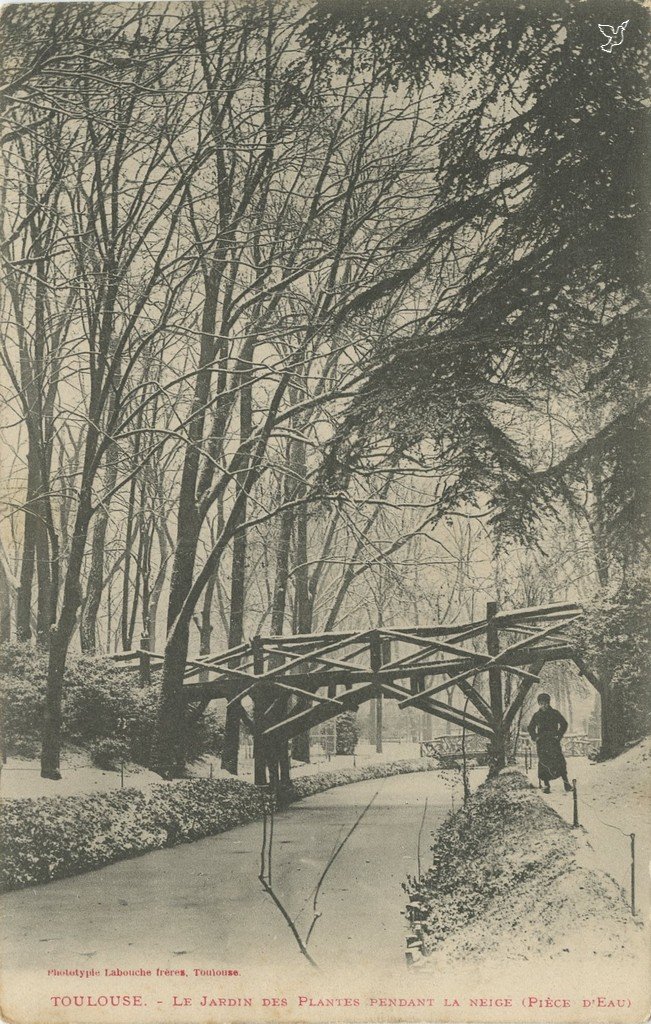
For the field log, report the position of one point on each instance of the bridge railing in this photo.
(451, 746)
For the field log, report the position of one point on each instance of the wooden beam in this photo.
(213, 690)
(470, 722)
(440, 645)
(301, 659)
(199, 666)
(473, 670)
(469, 691)
(475, 698)
(521, 694)
(519, 645)
(539, 611)
(499, 659)
(240, 696)
(438, 710)
(588, 673)
(216, 687)
(260, 746)
(431, 646)
(330, 662)
(298, 691)
(306, 719)
(203, 661)
(298, 639)
(439, 688)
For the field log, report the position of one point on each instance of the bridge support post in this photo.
(498, 744)
(231, 745)
(301, 743)
(376, 655)
(426, 724)
(259, 742)
(379, 723)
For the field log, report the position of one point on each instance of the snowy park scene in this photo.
(326, 495)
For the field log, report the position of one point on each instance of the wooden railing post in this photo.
(231, 743)
(145, 659)
(259, 743)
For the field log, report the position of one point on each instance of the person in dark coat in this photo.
(547, 728)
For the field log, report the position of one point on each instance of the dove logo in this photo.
(615, 36)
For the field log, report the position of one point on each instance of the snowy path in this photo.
(614, 800)
(163, 905)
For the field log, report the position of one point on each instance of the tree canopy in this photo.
(540, 210)
(293, 289)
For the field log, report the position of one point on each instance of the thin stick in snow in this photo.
(331, 861)
(420, 833)
(265, 860)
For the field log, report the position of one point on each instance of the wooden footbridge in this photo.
(280, 686)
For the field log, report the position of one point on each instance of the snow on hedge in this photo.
(506, 864)
(53, 837)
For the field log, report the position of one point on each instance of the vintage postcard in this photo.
(325, 529)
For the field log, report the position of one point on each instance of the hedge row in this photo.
(509, 882)
(308, 785)
(483, 855)
(54, 837)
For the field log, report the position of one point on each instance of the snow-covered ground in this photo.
(614, 800)
(566, 929)
(614, 797)
(20, 777)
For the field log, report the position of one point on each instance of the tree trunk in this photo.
(5, 605)
(61, 635)
(612, 718)
(231, 748)
(185, 591)
(44, 578)
(95, 584)
(126, 577)
(51, 749)
(140, 570)
(168, 756)
(205, 626)
(157, 589)
(304, 598)
(279, 753)
(24, 593)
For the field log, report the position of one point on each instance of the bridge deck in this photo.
(281, 686)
